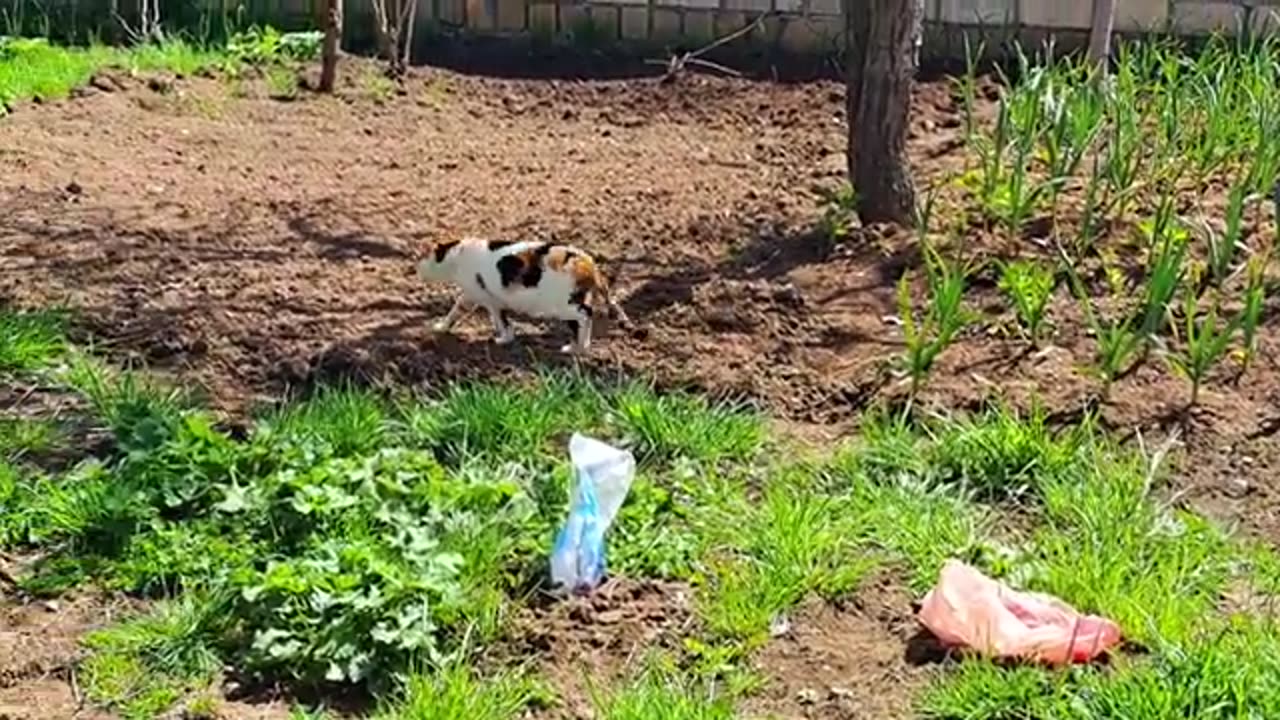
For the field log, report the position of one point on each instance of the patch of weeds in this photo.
(981, 690)
(999, 454)
(142, 666)
(377, 87)
(435, 94)
(140, 412)
(377, 559)
(282, 83)
(31, 339)
(168, 556)
(1029, 286)
(928, 333)
(662, 690)
(346, 419)
(1107, 547)
(506, 422)
(654, 534)
(266, 45)
(20, 437)
(455, 691)
(203, 706)
(177, 57)
(664, 427)
(920, 526)
(769, 555)
(1229, 673)
(839, 212)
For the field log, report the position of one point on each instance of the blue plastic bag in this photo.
(602, 477)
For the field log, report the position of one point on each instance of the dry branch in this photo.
(676, 64)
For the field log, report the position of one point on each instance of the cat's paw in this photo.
(573, 349)
(440, 326)
(505, 339)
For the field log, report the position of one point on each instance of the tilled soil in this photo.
(249, 246)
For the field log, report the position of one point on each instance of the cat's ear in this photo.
(441, 249)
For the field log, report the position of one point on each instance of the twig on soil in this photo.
(676, 64)
(1156, 459)
(75, 686)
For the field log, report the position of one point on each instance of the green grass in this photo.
(21, 437)
(33, 69)
(359, 537)
(355, 537)
(144, 665)
(30, 340)
(456, 691)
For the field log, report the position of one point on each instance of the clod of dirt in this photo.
(110, 80)
(161, 85)
(604, 635)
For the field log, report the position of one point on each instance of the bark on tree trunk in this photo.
(857, 25)
(332, 38)
(884, 40)
(1104, 12)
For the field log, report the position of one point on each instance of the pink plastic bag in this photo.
(970, 610)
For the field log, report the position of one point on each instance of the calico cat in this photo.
(539, 279)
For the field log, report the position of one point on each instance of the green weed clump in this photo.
(30, 339)
(32, 68)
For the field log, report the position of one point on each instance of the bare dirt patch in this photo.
(584, 645)
(39, 649)
(845, 661)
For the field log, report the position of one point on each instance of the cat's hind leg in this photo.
(502, 330)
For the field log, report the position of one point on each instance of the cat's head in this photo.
(437, 263)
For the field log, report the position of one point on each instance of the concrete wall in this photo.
(816, 26)
(801, 26)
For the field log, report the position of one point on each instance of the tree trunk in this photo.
(332, 39)
(881, 73)
(857, 24)
(1104, 13)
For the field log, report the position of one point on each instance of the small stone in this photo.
(73, 188)
(1237, 487)
(807, 696)
(779, 627)
(840, 693)
(51, 606)
(609, 617)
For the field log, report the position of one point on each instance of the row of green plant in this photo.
(1179, 309)
(1160, 122)
(35, 69)
(383, 539)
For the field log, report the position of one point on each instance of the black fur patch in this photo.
(495, 245)
(573, 328)
(509, 269)
(442, 249)
(525, 267)
(579, 298)
(480, 282)
(505, 318)
(532, 274)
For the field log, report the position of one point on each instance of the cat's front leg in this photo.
(445, 324)
(581, 330)
(502, 330)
